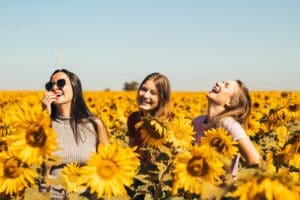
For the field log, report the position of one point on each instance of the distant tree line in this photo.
(129, 86)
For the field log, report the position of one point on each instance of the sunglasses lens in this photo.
(61, 83)
(48, 86)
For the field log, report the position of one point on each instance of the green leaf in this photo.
(142, 178)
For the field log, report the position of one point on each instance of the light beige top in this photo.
(71, 151)
(237, 132)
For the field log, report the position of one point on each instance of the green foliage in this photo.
(155, 179)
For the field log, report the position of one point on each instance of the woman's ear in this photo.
(228, 104)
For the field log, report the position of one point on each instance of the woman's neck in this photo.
(64, 110)
(213, 111)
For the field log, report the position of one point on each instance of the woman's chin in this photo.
(146, 108)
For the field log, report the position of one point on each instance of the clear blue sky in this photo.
(195, 43)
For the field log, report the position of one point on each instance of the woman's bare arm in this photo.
(103, 135)
(249, 152)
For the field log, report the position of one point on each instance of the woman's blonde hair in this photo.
(240, 106)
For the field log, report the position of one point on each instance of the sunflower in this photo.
(153, 131)
(282, 133)
(181, 133)
(72, 175)
(111, 169)
(263, 188)
(293, 110)
(292, 154)
(278, 116)
(219, 139)
(15, 175)
(193, 168)
(293, 177)
(33, 138)
(253, 126)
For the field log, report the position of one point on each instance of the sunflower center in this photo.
(293, 107)
(256, 105)
(73, 177)
(179, 134)
(3, 146)
(260, 196)
(197, 166)
(107, 169)
(36, 137)
(218, 143)
(12, 168)
(284, 94)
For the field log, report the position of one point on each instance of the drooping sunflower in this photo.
(153, 131)
(279, 116)
(33, 139)
(111, 169)
(221, 141)
(15, 175)
(181, 133)
(194, 167)
(264, 188)
(74, 180)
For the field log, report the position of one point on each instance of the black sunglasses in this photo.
(59, 83)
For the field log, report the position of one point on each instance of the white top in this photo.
(234, 128)
(237, 132)
(231, 125)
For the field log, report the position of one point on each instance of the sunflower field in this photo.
(175, 168)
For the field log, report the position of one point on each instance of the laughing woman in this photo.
(153, 99)
(229, 106)
(78, 130)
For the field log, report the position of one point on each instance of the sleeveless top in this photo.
(71, 151)
(233, 127)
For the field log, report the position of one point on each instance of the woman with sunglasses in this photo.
(78, 130)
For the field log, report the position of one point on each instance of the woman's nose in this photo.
(54, 87)
(147, 94)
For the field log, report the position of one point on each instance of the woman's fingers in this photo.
(48, 99)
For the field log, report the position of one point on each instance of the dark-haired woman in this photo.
(78, 130)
